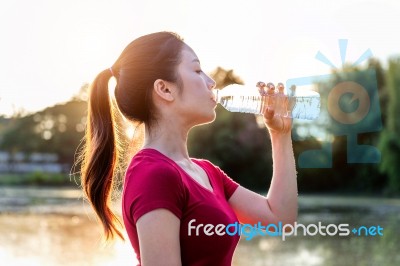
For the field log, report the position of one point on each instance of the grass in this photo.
(37, 179)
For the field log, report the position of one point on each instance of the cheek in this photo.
(194, 85)
(189, 79)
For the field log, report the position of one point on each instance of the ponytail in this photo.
(144, 60)
(100, 154)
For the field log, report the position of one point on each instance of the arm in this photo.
(158, 233)
(280, 204)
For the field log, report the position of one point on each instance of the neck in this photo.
(168, 138)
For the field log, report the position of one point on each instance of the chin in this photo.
(207, 119)
(212, 117)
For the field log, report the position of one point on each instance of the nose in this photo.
(211, 83)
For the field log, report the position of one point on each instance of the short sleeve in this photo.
(229, 184)
(150, 186)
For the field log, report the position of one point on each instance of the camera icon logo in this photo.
(349, 107)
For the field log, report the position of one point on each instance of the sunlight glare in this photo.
(112, 83)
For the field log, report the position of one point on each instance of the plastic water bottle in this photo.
(292, 104)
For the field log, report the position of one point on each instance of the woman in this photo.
(175, 207)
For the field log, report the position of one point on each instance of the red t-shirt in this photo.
(155, 181)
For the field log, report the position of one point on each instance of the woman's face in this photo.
(196, 101)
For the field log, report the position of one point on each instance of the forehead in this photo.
(188, 55)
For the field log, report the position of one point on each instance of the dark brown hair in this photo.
(142, 62)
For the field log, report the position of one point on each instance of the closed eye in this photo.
(199, 71)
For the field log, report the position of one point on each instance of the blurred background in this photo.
(51, 50)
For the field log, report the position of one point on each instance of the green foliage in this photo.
(40, 178)
(390, 141)
(369, 80)
(345, 177)
(37, 179)
(58, 129)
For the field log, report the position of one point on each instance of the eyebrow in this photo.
(196, 60)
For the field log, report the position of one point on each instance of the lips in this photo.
(214, 98)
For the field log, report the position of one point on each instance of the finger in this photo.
(260, 84)
(261, 88)
(271, 88)
(281, 87)
(269, 114)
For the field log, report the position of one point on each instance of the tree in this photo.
(352, 148)
(57, 129)
(389, 139)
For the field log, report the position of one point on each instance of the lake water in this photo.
(41, 226)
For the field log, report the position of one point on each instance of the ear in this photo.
(164, 89)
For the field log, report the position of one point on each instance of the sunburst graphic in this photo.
(343, 49)
(359, 90)
(359, 93)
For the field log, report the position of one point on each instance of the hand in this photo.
(275, 123)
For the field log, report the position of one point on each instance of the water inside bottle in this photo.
(242, 104)
(299, 107)
(306, 107)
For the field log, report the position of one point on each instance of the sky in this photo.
(50, 48)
